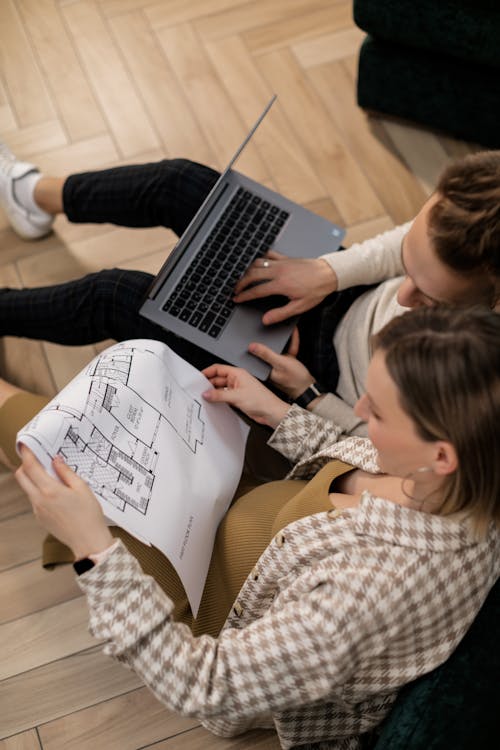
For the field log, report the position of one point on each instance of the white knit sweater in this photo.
(375, 260)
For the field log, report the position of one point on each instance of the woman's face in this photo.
(401, 450)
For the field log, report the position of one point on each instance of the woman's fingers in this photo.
(25, 483)
(65, 473)
(34, 471)
(217, 370)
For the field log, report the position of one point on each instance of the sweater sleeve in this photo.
(301, 434)
(308, 440)
(371, 261)
(334, 409)
(228, 682)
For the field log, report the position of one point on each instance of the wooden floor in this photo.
(90, 83)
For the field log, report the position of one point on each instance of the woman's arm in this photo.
(236, 387)
(229, 682)
(295, 653)
(68, 508)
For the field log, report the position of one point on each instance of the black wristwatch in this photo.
(81, 566)
(314, 390)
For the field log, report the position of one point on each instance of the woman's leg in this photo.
(17, 408)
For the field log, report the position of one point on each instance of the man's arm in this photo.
(370, 262)
(306, 282)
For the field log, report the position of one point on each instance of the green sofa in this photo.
(435, 62)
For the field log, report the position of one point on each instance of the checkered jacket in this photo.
(341, 610)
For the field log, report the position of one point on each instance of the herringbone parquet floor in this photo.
(90, 83)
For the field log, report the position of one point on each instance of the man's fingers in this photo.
(255, 284)
(264, 353)
(293, 347)
(279, 314)
(275, 255)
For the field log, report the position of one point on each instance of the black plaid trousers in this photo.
(105, 304)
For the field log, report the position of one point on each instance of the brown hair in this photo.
(464, 223)
(446, 365)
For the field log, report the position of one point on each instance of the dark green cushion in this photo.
(465, 29)
(456, 706)
(462, 99)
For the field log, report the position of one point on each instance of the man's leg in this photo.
(96, 307)
(166, 193)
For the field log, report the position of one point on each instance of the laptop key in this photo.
(195, 319)
(214, 331)
(203, 297)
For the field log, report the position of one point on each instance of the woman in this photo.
(345, 605)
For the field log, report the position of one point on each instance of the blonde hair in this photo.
(446, 365)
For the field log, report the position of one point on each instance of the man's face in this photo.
(428, 280)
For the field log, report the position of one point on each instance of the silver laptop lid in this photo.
(199, 216)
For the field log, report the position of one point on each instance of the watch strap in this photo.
(314, 390)
(81, 566)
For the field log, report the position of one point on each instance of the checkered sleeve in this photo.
(229, 682)
(310, 441)
(301, 433)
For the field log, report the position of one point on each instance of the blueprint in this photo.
(163, 462)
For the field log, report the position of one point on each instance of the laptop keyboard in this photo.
(245, 230)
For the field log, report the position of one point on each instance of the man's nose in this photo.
(360, 409)
(408, 293)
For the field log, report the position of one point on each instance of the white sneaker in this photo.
(28, 224)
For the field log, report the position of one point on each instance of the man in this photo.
(450, 253)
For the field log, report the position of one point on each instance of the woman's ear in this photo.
(445, 460)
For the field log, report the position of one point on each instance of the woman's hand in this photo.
(305, 281)
(238, 388)
(68, 509)
(287, 373)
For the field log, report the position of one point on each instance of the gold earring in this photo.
(409, 476)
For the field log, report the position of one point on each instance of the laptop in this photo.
(238, 222)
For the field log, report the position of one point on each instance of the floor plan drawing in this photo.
(112, 442)
(163, 462)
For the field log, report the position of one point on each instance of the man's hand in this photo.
(236, 387)
(68, 509)
(305, 281)
(290, 375)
